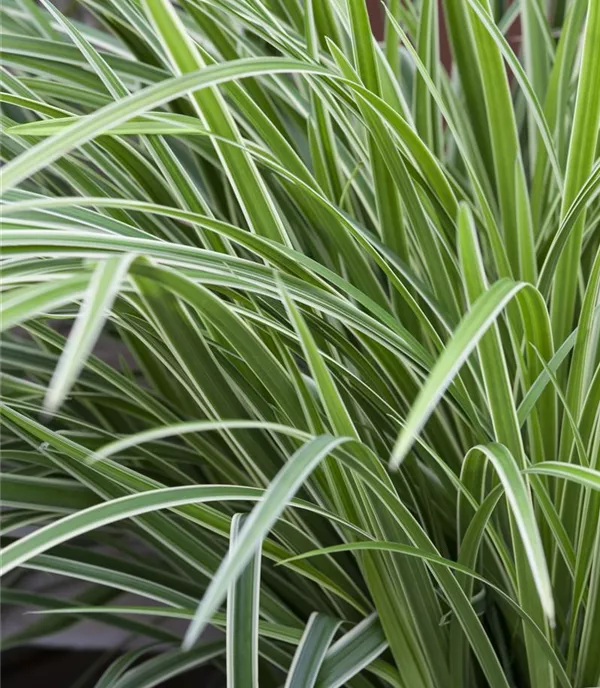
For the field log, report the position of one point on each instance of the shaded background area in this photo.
(34, 667)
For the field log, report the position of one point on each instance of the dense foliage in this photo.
(355, 419)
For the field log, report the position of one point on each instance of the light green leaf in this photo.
(480, 318)
(351, 653)
(243, 604)
(97, 302)
(46, 152)
(40, 299)
(311, 651)
(275, 500)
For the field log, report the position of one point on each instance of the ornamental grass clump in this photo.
(301, 337)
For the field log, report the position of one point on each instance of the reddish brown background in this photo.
(376, 12)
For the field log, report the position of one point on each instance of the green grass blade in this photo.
(581, 475)
(27, 302)
(243, 603)
(118, 667)
(355, 650)
(311, 651)
(549, 653)
(45, 153)
(582, 147)
(465, 338)
(257, 525)
(520, 502)
(95, 307)
(156, 671)
(253, 195)
(260, 226)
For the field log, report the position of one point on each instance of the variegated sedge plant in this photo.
(357, 423)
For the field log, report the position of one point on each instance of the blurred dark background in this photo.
(34, 667)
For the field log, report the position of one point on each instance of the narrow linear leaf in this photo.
(95, 308)
(311, 651)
